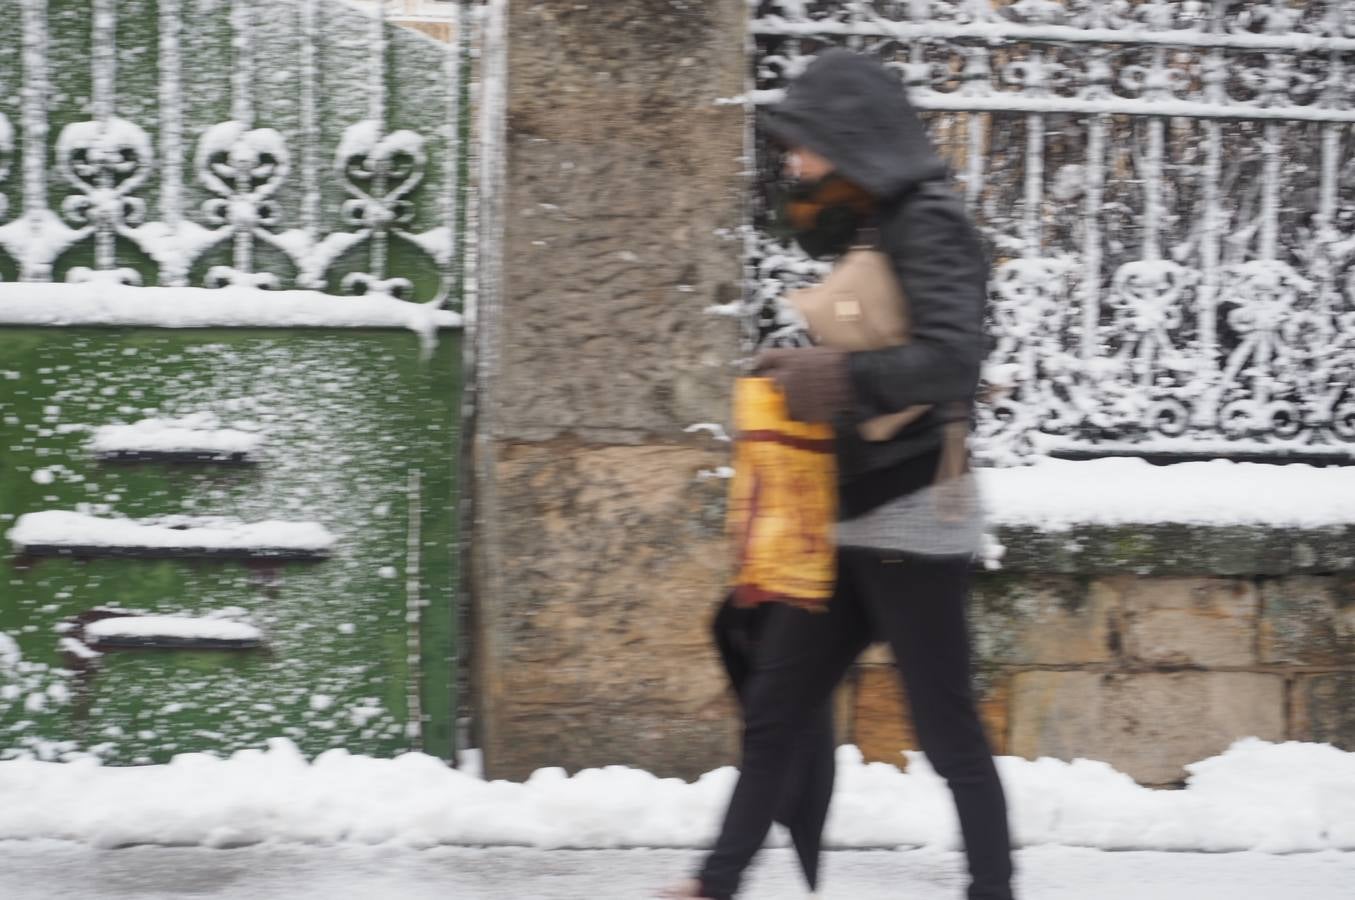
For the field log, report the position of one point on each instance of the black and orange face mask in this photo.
(824, 216)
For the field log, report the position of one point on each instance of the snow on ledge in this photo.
(59, 528)
(180, 628)
(198, 434)
(1258, 796)
(94, 303)
(1057, 495)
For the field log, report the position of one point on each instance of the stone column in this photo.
(614, 197)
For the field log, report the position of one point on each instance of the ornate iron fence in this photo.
(250, 142)
(1169, 193)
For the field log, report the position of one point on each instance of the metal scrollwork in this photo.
(106, 162)
(379, 171)
(1169, 184)
(6, 158)
(1149, 303)
(245, 168)
(257, 200)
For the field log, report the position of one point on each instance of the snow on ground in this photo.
(42, 870)
(1275, 798)
(101, 303)
(200, 433)
(59, 528)
(1057, 495)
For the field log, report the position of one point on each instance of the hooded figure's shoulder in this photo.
(929, 229)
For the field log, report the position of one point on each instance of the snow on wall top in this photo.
(187, 307)
(1057, 495)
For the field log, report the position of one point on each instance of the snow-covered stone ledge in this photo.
(103, 304)
(1122, 515)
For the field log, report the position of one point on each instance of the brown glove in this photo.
(815, 380)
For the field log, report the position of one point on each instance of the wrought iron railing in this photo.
(256, 142)
(1168, 189)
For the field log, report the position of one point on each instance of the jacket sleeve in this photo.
(942, 267)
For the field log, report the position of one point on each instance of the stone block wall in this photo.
(1147, 668)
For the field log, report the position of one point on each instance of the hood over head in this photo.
(851, 110)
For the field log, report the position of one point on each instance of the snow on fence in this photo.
(1168, 188)
(225, 307)
(151, 150)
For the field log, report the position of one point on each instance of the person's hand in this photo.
(815, 381)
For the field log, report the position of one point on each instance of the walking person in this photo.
(865, 176)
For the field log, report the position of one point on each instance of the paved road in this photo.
(44, 870)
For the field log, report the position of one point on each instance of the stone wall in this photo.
(617, 193)
(1116, 648)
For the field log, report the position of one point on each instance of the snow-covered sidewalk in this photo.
(1275, 798)
(42, 870)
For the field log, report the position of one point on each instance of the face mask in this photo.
(822, 216)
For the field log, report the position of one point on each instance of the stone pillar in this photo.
(615, 198)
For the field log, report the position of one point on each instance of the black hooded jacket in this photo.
(851, 110)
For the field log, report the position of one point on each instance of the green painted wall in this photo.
(374, 167)
(347, 417)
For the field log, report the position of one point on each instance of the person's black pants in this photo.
(918, 605)
(803, 807)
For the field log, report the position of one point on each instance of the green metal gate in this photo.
(230, 378)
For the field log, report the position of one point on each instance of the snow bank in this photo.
(199, 434)
(1056, 495)
(1257, 796)
(101, 303)
(181, 628)
(58, 528)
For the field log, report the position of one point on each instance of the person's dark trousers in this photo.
(803, 808)
(918, 605)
